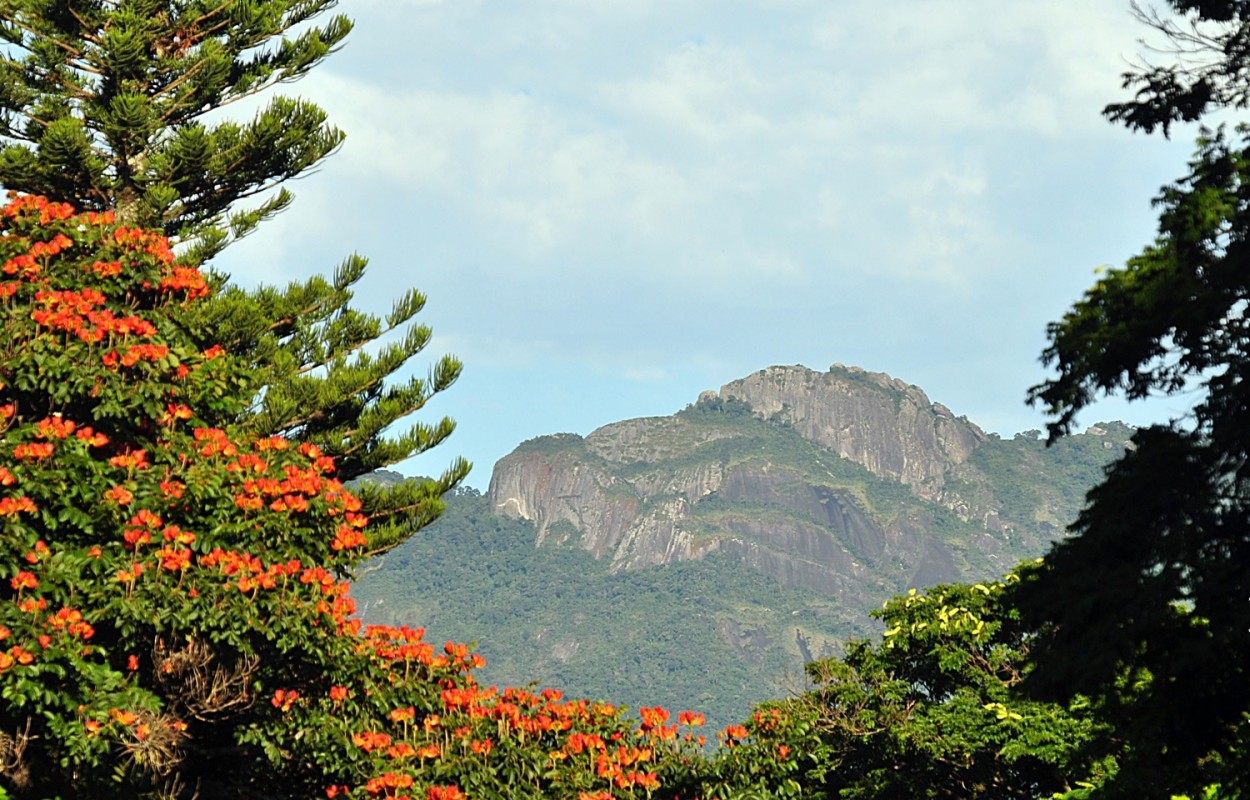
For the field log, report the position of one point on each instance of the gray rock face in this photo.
(850, 483)
(868, 417)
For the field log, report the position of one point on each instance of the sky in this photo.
(613, 205)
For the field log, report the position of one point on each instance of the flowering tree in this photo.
(174, 620)
(117, 107)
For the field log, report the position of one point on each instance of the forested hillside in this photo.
(789, 547)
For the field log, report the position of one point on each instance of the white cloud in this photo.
(723, 184)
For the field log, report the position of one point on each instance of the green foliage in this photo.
(116, 106)
(706, 635)
(174, 620)
(1029, 483)
(729, 406)
(108, 105)
(1211, 40)
(1144, 610)
(927, 711)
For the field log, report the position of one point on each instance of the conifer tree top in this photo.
(104, 104)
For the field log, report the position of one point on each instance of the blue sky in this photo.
(616, 204)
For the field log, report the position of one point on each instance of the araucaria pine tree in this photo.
(110, 105)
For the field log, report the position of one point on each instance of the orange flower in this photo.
(120, 495)
(653, 717)
(34, 451)
(370, 740)
(284, 699)
(444, 793)
(24, 580)
(12, 506)
(734, 732)
(124, 717)
(338, 693)
(92, 438)
(403, 714)
(55, 427)
(401, 750)
(136, 459)
(428, 751)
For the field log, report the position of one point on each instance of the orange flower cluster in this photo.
(28, 264)
(55, 427)
(387, 785)
(135, 354)
(16, 655)
(120, 495)
(48, 211)
(12, 506)
(70, 620)
(106, 269)
(283, 699)
(77, 313)
(150, 242)
(371, 740)
(733, 733)
(215, 442)
(130, 459)
(34, 451)
(400, 644)
(615, 766)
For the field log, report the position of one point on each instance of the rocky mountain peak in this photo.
(888, 426)
(847, 482)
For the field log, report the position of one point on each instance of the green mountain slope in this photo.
(699, 559)
(703, 635)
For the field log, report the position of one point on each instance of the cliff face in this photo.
(849, 483)
(886, 425)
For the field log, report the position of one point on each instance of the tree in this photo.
(174, 619)
(926, 712)
(108, 106)
(1145, 608)
(1208, 45)
(116, 106)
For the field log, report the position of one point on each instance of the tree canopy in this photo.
(111, 106)
(1206, 44)
(1145, 608)
(174, 617)
(119, 107)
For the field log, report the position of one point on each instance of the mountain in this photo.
(695, 559)
(849, 483)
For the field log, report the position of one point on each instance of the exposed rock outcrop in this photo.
(848, 482)
(886, 425)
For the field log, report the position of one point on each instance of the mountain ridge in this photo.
(697, 558)
(801, 455)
